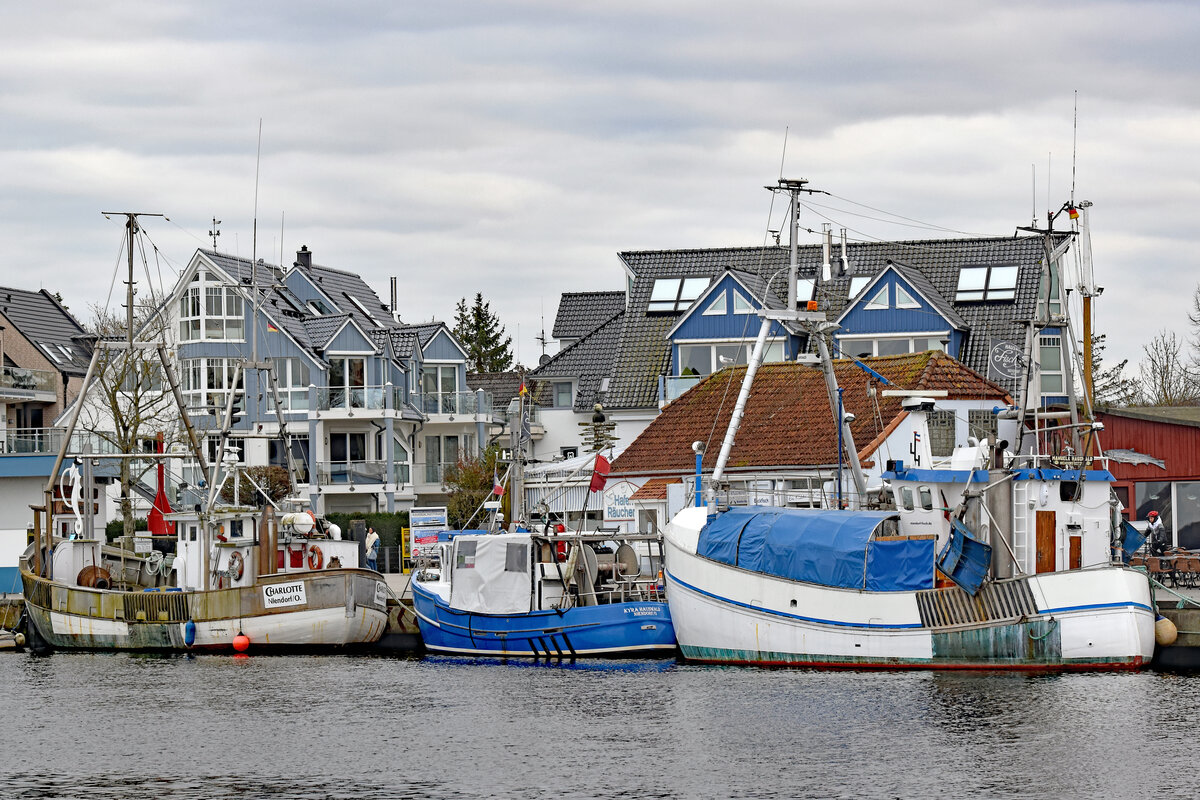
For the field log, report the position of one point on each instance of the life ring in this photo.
(237, 566)
(316, 559)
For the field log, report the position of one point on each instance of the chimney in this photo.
(303, 257)
(393, 296)
(845, 257)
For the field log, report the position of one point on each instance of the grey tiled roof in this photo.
(580, 313)
(643, 353)
(44, 321)
(321, 329)
(588, 360)
(341, 286)
(922, 285)
(425, 331)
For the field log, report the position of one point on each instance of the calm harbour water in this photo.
(120, 726)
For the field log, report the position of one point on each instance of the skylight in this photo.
(857, 284)
(672, 295)
(987, 283)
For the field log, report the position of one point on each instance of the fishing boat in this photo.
(237, 577)
(555, 595)
(1004, 557)
(547, 595)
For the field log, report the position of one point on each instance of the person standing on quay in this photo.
(372, 544)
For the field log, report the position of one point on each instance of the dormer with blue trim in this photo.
(719, 329)
(899, 311)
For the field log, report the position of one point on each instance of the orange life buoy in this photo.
(237, 566)
(316, 559)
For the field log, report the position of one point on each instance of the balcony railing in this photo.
(676, 385)
(354, 473)
(49, 440)
(452, 403)
(352, 397)
(38, 380)
(435, 471)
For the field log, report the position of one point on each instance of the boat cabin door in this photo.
(1046, 543)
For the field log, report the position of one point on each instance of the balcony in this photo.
(361, 473)
(35, 441)
(352, 398)
(435, 471)
(465, 403)
(675, 385)
(27, 384)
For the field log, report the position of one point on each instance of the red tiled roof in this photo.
(653, 489)
(787, 421)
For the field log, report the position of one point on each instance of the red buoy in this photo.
(241, 643)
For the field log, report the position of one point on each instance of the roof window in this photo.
(672, 295)
(987, 283)
(857, 284)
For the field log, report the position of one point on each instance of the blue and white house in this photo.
(372, 409)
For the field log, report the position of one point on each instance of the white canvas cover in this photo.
(490, 574)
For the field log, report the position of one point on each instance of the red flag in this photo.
(497, 486)
(599, 474)
(1072, 212)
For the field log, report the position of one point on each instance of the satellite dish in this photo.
(544, 360)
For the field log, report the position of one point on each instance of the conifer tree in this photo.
(480, 331)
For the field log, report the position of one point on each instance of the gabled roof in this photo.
(588, 361)
(404, 340)
(920, 285)
(788, 422)
(754, 285)
(580, 313)
(48, 325)
(321, 330)
(644, 353)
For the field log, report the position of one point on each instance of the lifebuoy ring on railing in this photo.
(237, 566)
(316, 559)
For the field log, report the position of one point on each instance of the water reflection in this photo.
(108, 726)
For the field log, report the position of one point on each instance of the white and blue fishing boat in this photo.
(1006, 557)
(551, 596)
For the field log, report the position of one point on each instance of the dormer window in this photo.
(319, 308)
(987, 283)
(672, 295)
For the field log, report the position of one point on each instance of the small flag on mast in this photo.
(1073, 212)
(497, 486)
(599, 474)
(271, 327)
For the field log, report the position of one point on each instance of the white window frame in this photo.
(847, 341)
(878, 301)
(993, 289)
(554, 387)
(198, 323)
(198, 395)
(741, 303)
(686, 291)
(717, 308)
(712, 344)
(1047, 341)
(904, 298)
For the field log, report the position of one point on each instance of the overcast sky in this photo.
(515, 148)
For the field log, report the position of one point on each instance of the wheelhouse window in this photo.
(987, 283)
(208, 309)
(672, 295)
(1050, 359)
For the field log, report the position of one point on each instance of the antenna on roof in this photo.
(215, 232)
(542, 336)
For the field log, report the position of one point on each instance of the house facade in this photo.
(44, 353)
(372, 410)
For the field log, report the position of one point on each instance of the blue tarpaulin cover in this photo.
(822, 546)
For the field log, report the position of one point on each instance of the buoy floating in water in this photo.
(1165, 632)
(241, 643)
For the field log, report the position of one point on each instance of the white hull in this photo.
(1092, 618)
